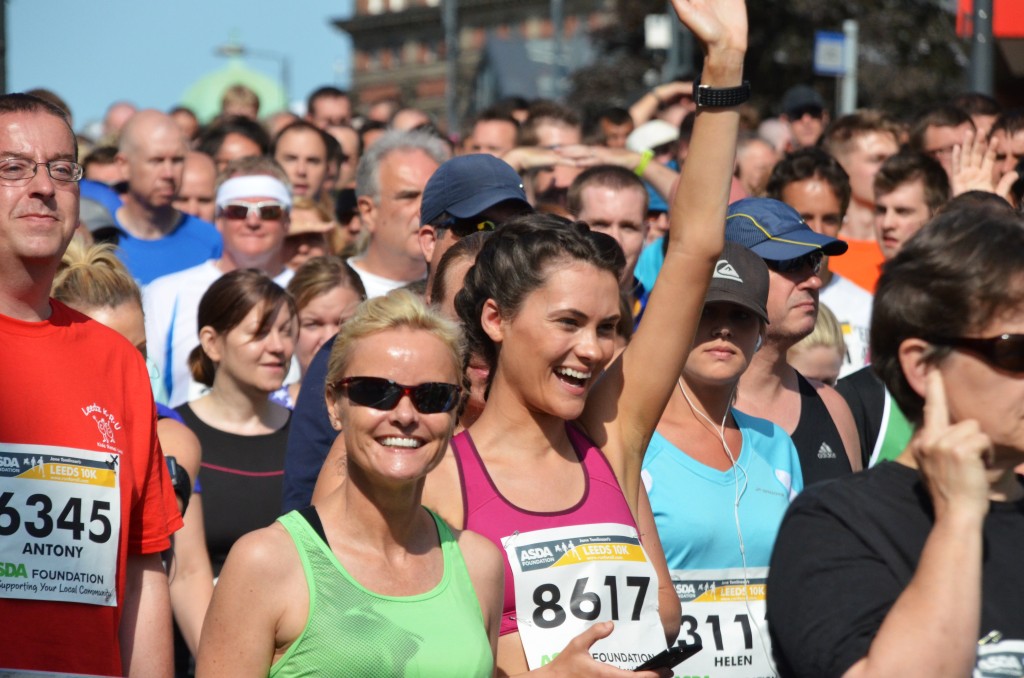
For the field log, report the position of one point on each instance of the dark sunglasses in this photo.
(384, 394)
(811, 260)
(1005, 351)
(270, 210)
(462, 228)
(815, 112)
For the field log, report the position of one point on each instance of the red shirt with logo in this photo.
(83, 485)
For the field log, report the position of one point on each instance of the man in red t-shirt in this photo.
(86, 505)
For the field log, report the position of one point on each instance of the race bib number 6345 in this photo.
(60, 520)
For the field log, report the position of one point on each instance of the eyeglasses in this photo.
(811, 260)
(22, 169)
(463, 228)
(1005, 351)
(384, 394)
(269, 210)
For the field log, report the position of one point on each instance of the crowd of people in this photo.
(679, 387)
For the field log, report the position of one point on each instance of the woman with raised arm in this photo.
(366, 582)
(550, 471)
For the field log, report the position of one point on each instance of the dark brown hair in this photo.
(225, 305)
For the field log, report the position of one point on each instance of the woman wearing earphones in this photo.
(736, 472)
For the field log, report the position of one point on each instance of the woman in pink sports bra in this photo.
(562, 436)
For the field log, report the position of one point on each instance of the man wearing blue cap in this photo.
(815, 415)
(467, 194)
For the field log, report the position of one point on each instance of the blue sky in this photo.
(94, 52)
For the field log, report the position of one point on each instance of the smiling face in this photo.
(254, 242)
(399, 445)
(250, 358)
(38, 216)
(556, 345)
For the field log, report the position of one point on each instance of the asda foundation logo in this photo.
(530, 555)
(13, 570)
(8, 462)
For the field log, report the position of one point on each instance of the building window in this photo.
(374, 6)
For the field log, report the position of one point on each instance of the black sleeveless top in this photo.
(821, 450)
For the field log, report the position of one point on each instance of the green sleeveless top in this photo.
(354, 632)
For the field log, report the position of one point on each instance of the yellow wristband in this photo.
(645, 160)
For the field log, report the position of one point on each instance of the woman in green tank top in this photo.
(367, 582)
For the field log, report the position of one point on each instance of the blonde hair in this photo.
(398, 309)
(240, 94)
(93, 277)
(828, 332)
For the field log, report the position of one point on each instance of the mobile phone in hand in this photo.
(671, 657)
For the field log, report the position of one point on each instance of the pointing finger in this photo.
(936, 411)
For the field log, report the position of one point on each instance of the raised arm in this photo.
(625, 407)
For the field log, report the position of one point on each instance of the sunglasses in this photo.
(384, 394)
(815, 112)
(270, 210)
(811, 260)
(1005, 351)
(463, 228)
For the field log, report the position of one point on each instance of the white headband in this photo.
(252, 186)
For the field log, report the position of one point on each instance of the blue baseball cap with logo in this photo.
(466, 185)
(775, 231)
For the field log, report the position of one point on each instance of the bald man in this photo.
(154, 238)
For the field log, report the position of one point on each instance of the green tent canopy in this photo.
(205, 94)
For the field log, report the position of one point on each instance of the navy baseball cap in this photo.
(775, 231)
(466, 185)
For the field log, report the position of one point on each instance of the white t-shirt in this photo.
(375, 285)
(171, 305)
(852, 307)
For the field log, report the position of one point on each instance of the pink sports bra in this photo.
(489, 513)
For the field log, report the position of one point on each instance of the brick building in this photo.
(505, 48)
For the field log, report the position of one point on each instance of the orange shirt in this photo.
(861, 264)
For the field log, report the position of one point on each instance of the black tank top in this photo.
(821, 450)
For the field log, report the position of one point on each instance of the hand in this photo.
(717, 24)
(588, 156)
(575, 659)
(973, 168)
(671, 91)
(952, 457)
(523, 158)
